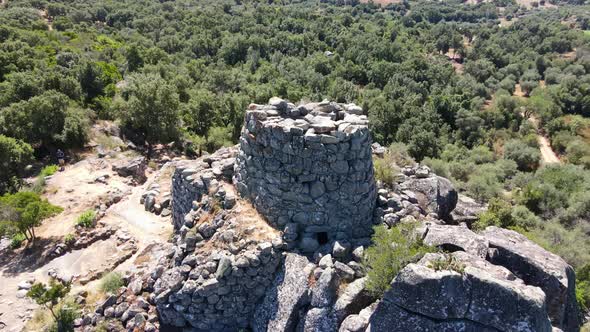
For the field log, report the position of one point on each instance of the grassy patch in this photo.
(448, 262)
(69, 239)
(86, 219)
(49, 170)
(111, 282)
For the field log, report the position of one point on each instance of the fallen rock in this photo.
(358, 323)
(134, 168)
(354, 298)
(323, 293)
(467, 210)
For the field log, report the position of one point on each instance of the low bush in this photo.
(69, 239)
(66, 315)
(17, 240)
(48, 170)
(383, 171)
(583, 287)
(111, 282)
(448, 262)
(86, 219)
(391, 251)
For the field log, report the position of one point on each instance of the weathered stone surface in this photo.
(319, 320)
(453, 238)
(323, 293)
(538, 267)
(463, 297)
(289, 292)
(390, 317)
(434, 194)
(358, 323)
(134, 168)
(467, 210)
(354, 298)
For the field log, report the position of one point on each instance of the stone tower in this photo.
(308, 170)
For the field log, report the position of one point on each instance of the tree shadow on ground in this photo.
(27, 259)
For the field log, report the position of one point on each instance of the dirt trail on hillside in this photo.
(76, 190)
(548, 156)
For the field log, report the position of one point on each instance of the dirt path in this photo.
(76, 191)
(548, 156)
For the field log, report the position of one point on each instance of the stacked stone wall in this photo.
(192, 179)
(308, 170)
(225, 255)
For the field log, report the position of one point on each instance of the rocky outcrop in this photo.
(135, 168)
(286, 253)
(454, 238)
(538, 267)
(453, 294)
(309, 169)
(289, 293)
(433, 193)
(467, 210)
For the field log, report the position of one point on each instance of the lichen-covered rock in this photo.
(353, 299)
(390, 317)
(433, 194)
(453, 238)
(538, 267)
(323, 294)
(442, 295)
(319, 320)
(289, 292)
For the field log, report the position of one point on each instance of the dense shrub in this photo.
(22, 212)
(14, 156)
(383, 172)
(86, 219)
(392, 249)
(526, 157)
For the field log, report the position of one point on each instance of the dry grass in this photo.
(108, 142)
(94, 298)
(342, 288)
(248, 223)
(311, 280)
(40, 321)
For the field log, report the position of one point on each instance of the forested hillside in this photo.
(467, 89)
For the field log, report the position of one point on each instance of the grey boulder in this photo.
(439, 297)
(538, 267)
(289, 292)
(453, 238)
(434, 194)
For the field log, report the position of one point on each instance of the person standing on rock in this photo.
(60, 159)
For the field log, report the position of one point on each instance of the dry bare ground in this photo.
(75, 190)
(548, 156)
